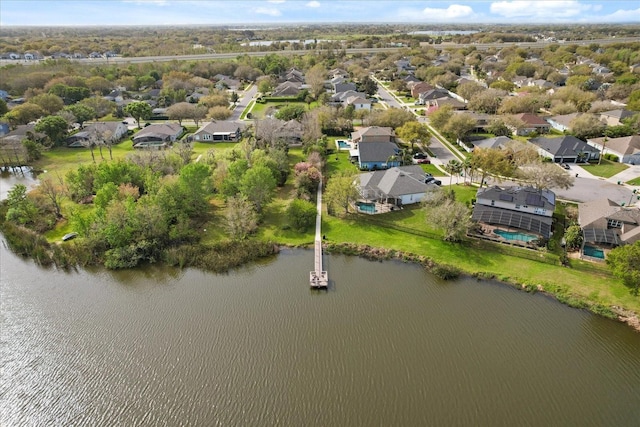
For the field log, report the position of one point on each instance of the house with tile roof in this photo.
(530, 123)
(216, 130)
(626, 148)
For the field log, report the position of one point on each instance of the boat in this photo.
(69, 236)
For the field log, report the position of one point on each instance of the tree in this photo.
(3, 107)
(301, 214)
(573, 237)
(587, 126)
(499, 128)
(290, 112)
(21, 209)
(468, 89)
(55, 127)
(544, 176)
(102, 107)
(624, 262)
(491, 161)
(391, 117)
(81, 112)
(340, 192)
(315, 78)
(199, 113)
(181, 111)
(368, 86)
(242, 218)
(54, 193)
(49, 102)
(23, 114)
(451, 216)
(440, 117)
(487, 101)
(138, 110)
(219, 113)
(453, 167)
(99, 84)
(634, 101)
(459, 126)
(413, 132)
(258, 186)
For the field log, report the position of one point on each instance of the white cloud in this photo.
(313, 3)
(271, 11)
(537, 10)
(454, 11)
(622, 16)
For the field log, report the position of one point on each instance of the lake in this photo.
(389, 344)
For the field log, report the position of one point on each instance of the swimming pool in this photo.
(593, 252)
(342, 144)
(515, 235)
(369, 208)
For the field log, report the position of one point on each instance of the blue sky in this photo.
(177, 12)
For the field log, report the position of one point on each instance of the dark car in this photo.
(419, 156)
(432, 180)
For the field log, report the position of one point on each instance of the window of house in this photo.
(613, 223)
(517, 206)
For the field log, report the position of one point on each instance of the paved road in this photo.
(233, 55)
(243, 101)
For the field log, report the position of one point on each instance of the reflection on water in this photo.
(389, 344)
(12, 176)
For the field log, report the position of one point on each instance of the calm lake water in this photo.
(388, 345)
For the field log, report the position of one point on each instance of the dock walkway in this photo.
(318, 278)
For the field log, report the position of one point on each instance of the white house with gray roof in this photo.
(520, 208)
(606, 223)
(404, 185)
(626, 148)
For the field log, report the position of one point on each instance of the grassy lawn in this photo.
(606, 168)
(634, 181)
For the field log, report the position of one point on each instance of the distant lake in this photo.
(443, 33)
(388, 345)
(270, 42)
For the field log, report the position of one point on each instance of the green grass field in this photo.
(635, 181)
(606, 168)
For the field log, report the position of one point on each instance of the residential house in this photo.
(434, 104)
(403, 66)
(626, 148)
(22, 132)
(432, 94)
(287, 88)
(500, 142)
(397, 186)
(359, 103)
(157, 135)
(530, 123)
(373, 134)
(607, 224)
(273, 130)
(111, 131)
(615, 117)
(218, 131)
(376, 155)
(338, 72)
(562, 122)
(225, 82)
(419, 87)
(516, 208)
(411, 79)
(565, 149)
(344, 87)
(342, 97)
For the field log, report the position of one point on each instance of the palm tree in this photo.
(453, 167)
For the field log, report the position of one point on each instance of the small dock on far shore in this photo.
(318, 278)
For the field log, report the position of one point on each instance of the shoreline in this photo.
(446, 272)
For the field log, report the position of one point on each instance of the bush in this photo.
(446, 272)
(611, 157)
(301, 214)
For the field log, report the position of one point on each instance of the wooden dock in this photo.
(318, 278)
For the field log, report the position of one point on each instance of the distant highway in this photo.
(233, 55)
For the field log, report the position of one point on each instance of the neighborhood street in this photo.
(243, 101)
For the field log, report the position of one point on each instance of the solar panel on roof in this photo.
(506, 197)
(534, 200)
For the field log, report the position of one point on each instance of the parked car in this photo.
(419, 156)
(422, 161)
(565, 166)
(432, 180)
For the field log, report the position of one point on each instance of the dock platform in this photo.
(318, 278)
